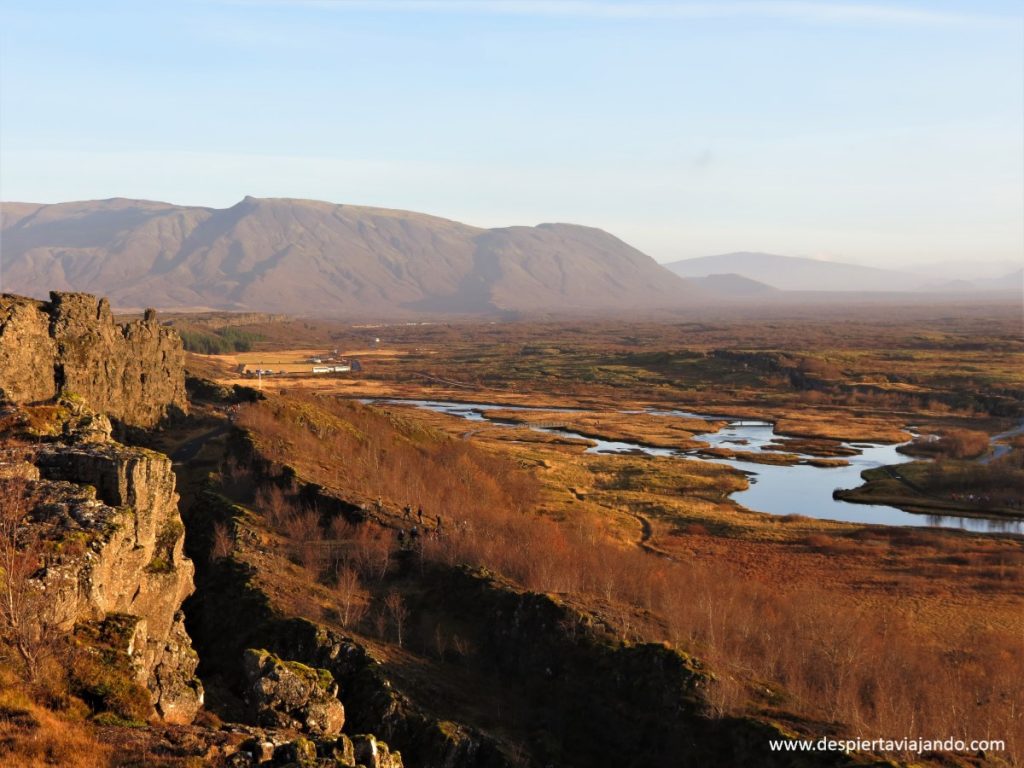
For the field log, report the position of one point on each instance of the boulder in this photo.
(287, 694)
(299, 752)
(342, 751)
(373, 753)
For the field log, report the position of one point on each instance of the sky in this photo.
(889, 133)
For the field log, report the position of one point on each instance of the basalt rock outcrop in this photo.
(113, 546)
(360, 751)
(133, 372)
(287, 694)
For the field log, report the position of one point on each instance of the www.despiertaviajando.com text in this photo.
(917, 746)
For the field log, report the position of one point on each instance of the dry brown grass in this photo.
(868, 670)
(391, 458)
(32, 736)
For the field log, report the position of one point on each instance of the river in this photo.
(776, 489)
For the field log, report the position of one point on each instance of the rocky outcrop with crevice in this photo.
(115, 546)
(105, 513)
(133, 372)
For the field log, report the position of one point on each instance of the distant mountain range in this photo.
(317, 258)
(303, 256)
(734, 286)
(793, 273)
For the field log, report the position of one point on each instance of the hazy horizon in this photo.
(950, 269)
(886, 135)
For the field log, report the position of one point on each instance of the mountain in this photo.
(733, 286)
(1013, 281)
(309, 257)
(793, 273)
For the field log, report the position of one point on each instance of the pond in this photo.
(776, 489)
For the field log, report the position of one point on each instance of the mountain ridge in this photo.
(798, 273)
(793, 273)
(314, 257)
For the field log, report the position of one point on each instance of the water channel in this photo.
(777, 489)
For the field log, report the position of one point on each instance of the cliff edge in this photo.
(96, 522)
(133, 372)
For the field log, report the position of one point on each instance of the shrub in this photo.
(954, 444)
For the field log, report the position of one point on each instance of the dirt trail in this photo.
(646, 534)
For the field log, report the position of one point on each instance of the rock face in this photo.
(113, 510)
(108, 512)
(373, 753)
(287, 694)
(132, 372)
(363, 751)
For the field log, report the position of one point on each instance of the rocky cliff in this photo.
(108, 516)
(133, 372)
(104, 514)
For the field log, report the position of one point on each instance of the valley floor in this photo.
(943, 592)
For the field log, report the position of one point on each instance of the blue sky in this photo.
(888, 133)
